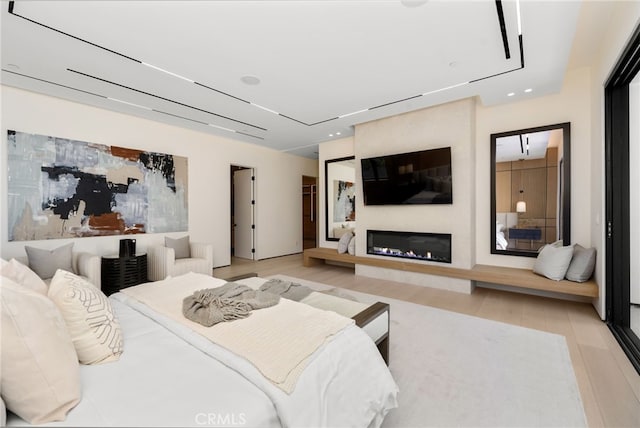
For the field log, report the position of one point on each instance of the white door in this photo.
(243, 207)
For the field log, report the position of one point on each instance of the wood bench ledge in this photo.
(515, 277)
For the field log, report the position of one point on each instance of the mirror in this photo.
(340, 196)
(530, 189)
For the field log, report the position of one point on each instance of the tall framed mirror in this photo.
(340, 196)
(530, 189)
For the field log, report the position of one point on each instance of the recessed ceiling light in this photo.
(528, 90)
(250, 80)
(453, 64)
(330, 135)
(338, 133)
(510, 94)
(13, 66)
(413, 3)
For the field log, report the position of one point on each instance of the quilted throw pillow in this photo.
(24, 276)
(94, 329)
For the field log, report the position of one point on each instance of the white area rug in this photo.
(459, 370)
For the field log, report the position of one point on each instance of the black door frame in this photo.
(617, 273)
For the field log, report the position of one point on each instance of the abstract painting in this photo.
(61, 188)
(344, 206)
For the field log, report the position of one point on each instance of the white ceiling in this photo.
(323, 66)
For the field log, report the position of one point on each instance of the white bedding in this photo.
(170, 376)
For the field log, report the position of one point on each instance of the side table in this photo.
(122, 272)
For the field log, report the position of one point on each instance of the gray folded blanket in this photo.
(226, 303)
(286, 289)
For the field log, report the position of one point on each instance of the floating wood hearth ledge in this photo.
(515, 277)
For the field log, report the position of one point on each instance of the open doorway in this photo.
(243, 212)
(309, 212)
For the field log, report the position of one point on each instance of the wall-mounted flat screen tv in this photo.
(422, 177)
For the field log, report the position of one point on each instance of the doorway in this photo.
(309, 212)
(622, 152)
(243, 204)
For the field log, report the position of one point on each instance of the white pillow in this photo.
(180, 246)
(582, 264)
(24, 276)
(343, 243)
(351, 248)
(553, 261)
(40, 372)
(94, 329)
(46, 262)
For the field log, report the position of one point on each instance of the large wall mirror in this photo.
(530, 189)
(340, 193)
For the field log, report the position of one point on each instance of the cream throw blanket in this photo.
(278, 340)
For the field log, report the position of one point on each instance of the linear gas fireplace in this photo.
(434, 247)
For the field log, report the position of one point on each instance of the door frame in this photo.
(233, 168)
(617, 241)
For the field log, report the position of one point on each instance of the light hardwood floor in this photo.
(609, 385)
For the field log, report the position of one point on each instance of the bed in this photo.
(170, 375)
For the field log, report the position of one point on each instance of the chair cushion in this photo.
(582, 264)
(24, 276)
(180, 246)
(46, 262)
(40, 372)
(553, 261)
(87, 312)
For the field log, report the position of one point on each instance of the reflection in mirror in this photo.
(340, 193)
(530, 189)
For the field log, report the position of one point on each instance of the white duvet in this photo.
(171, 376)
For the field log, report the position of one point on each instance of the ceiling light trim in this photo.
(503, 28)
(164, 98)
(498, 6)
(126, 102)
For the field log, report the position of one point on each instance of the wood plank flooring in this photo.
(609, 385)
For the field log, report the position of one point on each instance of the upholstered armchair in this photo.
(162, 261)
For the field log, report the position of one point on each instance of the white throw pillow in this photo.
(553, 261)
(46, 262)
(39, 365)
(582, 264)
(343, 243)
(351, 248)
(180, 246)
(94, 329)
(24, 276)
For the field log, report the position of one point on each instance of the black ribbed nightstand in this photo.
(122, 272)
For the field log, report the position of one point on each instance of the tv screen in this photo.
(422, 177)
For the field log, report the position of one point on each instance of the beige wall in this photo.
(279, 175)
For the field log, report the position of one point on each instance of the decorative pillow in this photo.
(40, 372)
(94, 329)
(553, 261)
(343, 243)
(46, 262)
(24, 276)
(180, 246)
(582, 264)
(351, 248)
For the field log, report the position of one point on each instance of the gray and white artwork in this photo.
(61, 188)
(344, 206)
